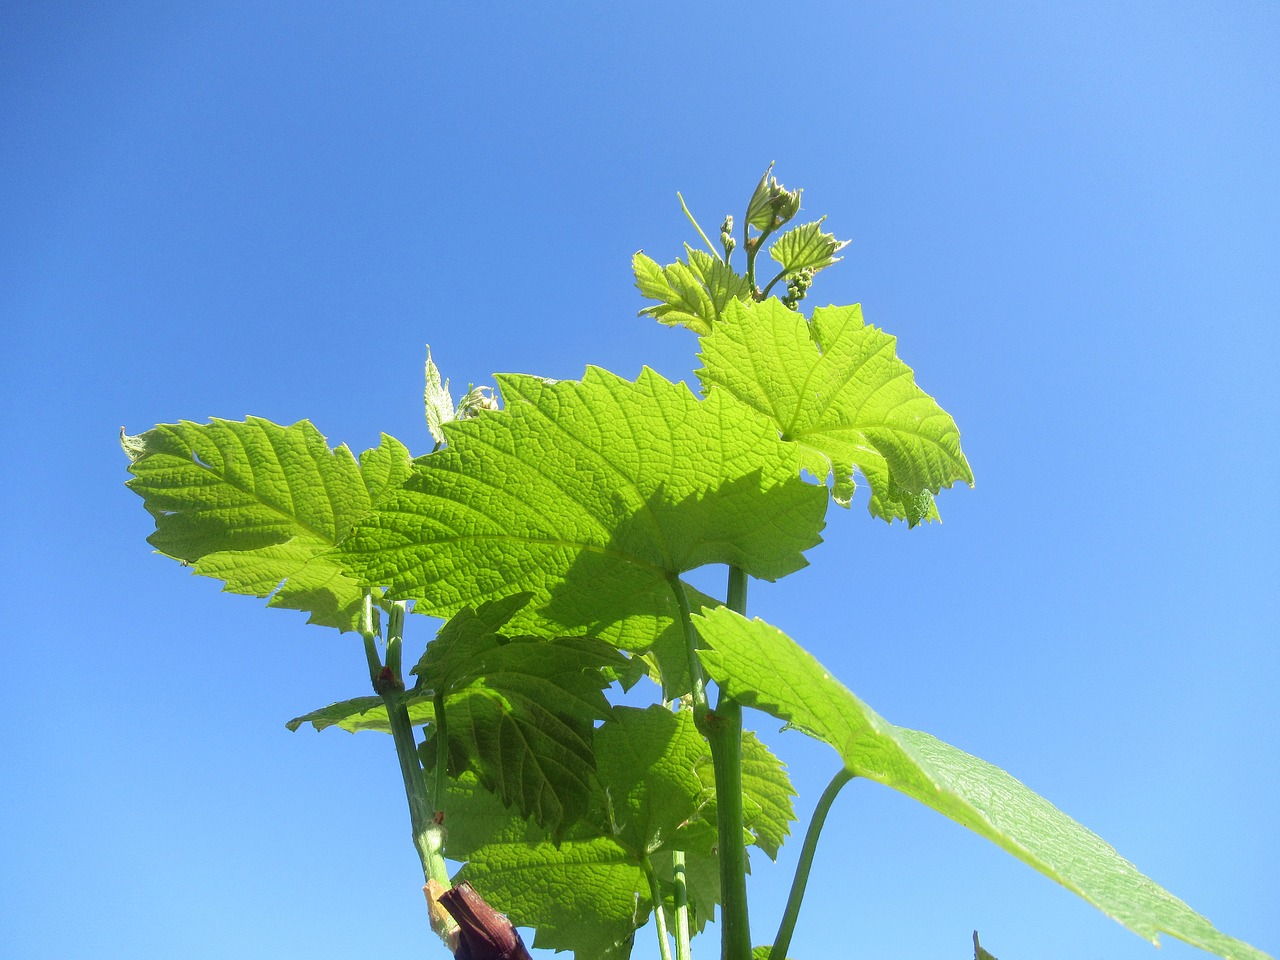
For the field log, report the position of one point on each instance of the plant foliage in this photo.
(550, 529)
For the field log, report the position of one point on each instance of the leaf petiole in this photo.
(792, 912)
(772, 283)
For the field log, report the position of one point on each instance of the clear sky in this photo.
(1067, 214)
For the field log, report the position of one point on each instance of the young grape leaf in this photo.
(807, 247)
(771, 204)
(259, 506)
(762, 667)
(836, 388)
(455, 656)
(593, 496)
(475, 817)
(436, 400)
(693, 294)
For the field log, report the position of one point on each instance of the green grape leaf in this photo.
(598, 875)
(762, 667)
(593, 496)
(588, 896)
(521, 711)
(771, 204)
(455, 657)
(475, 817)
(260, 506)
(979, 952)
(807, 247)
(766, 795)
(525, 721)
(436, 400)
(835, 387)
(365, 713)
(647, 763)
(692, 294)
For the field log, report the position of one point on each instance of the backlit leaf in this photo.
(592, 496)
(588, 896)
(591, 892)
(260, 506)
(835, 387)
(766, 795)
(525, 720)
(806, 247)
(436, 400)
(692, 294)
(763, 668)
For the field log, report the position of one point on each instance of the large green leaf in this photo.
(693, 294)
(836, 387)
(761, 667)
(647, 765)
(588, 896)
(259, 505)
(525, 718)
(592, 496)
(592, 891)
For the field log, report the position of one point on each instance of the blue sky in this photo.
(1067, 214)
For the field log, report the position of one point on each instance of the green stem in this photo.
(441, 783)
(659, 917)
(682, 905)
(724, 734)
(723, 730)
(752, 247)
(395, 638)
(700, 706)
(772, 283)
(428, 836)
(788, 925)
(695, 224)
(370, 637)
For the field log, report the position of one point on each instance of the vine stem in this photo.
(787, 927)
(428, 836)
(660, 919)
(724, 734)
(723, 730)
(682, 905)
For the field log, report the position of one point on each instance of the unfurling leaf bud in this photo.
(476, 400)
(726, 236)
(772, 204)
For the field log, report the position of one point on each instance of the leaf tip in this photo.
(134, 447)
